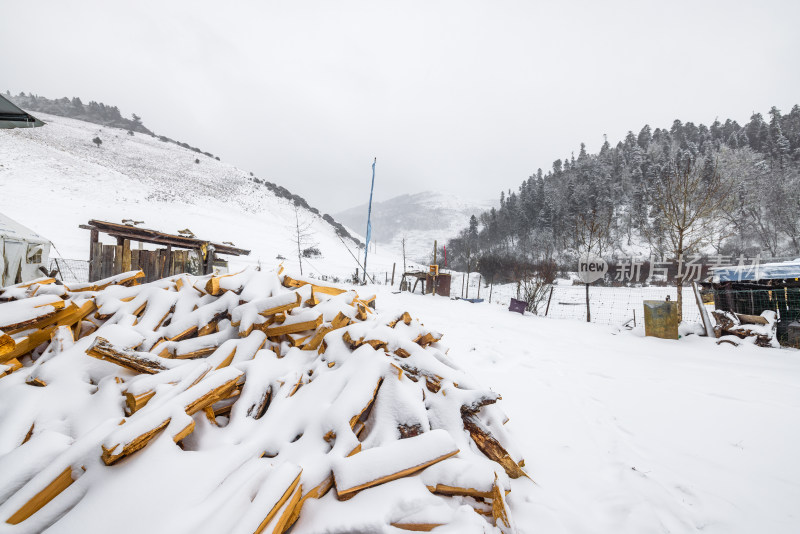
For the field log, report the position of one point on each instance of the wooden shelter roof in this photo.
(147, 235)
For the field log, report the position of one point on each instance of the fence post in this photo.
(547, 309)
(588, 308)
(393, 267)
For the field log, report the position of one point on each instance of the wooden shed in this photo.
(753, 289)
(438, 284)
(179, 253)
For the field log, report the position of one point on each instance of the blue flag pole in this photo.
(369, 221)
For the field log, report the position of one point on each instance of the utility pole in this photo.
(369, 221)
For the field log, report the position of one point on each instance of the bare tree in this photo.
(302, 235)
(537, 282)
(691, 210)
(592, 238)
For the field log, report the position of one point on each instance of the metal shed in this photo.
(753, 289)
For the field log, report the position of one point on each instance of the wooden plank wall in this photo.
(109, 260)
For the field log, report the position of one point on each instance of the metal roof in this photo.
(13, 117)
(148, 235)
(765, 271)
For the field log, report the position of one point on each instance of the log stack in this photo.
(262, 401)
(738, 328)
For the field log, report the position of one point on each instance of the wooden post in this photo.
(126, 255)
(356, 274)
(479, 285)
(547, 309)
(466, 291)
(394, 265)
(491, 286)
(462, 284)
(94, 239)
(107, 268)
(118, 259)
(134, 259)
(144, 265)
(96, 262)
(588, 308)
(433, 278)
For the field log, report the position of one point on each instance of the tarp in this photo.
(20, 247)
(765, 271)
(13, 117)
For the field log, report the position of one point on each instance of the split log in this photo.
(131, 278)
(140, 362)
(9, 367)
(293, 328)
(390, 462)
(500, 510)
(281, 487)
(291, 282)
(50, 492)
(489, 446)
(20, 315)
(6, 344)
(752, 319)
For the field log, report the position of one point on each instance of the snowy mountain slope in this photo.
(54, 178)
(421, 218)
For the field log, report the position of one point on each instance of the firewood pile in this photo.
(737, 328)
(251, 402)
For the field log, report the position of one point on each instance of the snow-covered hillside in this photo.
(421, 218)
(54, 178)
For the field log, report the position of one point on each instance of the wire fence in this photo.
(784, 301)
(613, 305)
(70, 271)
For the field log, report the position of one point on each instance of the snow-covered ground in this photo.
(627, 434)
(621, 433)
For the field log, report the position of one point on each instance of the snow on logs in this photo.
(289, 391)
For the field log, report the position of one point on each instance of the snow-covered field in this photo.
(628, 434)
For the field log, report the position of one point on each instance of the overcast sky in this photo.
(460, 96)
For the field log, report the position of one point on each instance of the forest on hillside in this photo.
(74, 108)
(620, 201)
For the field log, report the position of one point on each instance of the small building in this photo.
(438, 284)
(13, 117)
(753, 289)
(22, 252)
(179, 253)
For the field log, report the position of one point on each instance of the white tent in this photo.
(22, 251)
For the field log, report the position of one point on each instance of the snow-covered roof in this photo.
(11, 229)
(765, 271)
